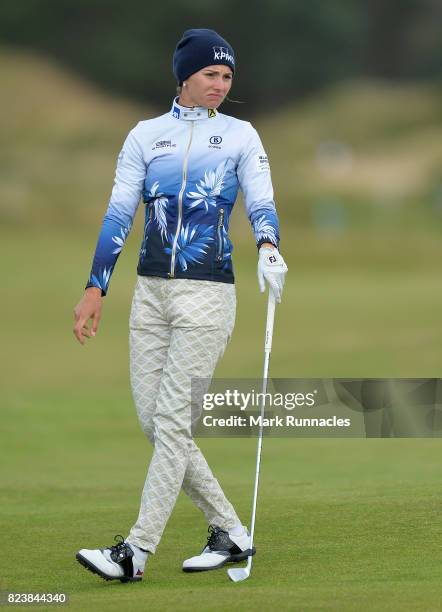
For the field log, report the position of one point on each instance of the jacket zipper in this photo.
(219, 255)
(180, 204)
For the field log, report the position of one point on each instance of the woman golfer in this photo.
(188, 165)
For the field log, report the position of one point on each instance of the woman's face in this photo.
(207, 87)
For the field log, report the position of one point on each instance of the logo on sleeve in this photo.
(263, 162)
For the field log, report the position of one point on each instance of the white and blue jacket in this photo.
(188, 165)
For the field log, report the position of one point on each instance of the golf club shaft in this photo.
(267, 349)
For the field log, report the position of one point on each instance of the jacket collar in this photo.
(197, 113)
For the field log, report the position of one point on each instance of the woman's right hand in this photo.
(89, 307)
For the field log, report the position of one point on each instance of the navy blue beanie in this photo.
(198, 49)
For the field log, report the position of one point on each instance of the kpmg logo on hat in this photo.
(176, 112)
(222, 53)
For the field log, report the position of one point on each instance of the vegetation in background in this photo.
(364, 154)
(284, 49)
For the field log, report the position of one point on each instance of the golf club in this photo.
(242, 573)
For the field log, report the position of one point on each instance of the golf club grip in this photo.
(269, 325)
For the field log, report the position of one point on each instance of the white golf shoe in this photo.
(119, 562)
(221, 548)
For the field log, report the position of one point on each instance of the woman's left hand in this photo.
(271, 268)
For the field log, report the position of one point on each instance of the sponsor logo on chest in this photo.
(164, 144)
(215, 142)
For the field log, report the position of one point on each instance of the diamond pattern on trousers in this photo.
(179, 329)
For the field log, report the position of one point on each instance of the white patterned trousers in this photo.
(179, 329)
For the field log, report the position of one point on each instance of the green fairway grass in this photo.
(342, 524)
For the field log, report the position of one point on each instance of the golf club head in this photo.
(238, 573)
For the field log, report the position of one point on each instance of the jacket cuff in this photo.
(103, 293)
(263, 240)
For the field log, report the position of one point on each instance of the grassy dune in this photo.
(342, 523)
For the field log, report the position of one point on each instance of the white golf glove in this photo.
(271, 268)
